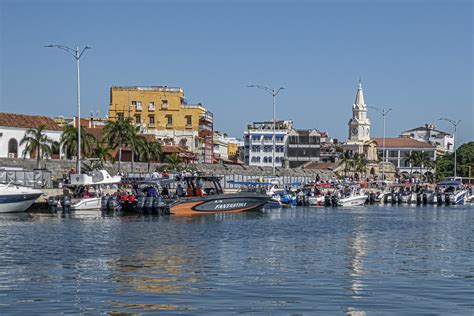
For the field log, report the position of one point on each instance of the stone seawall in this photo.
(57, 168)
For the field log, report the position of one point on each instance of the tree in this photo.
(465, 159)
(102, 152)
(69, 141)
(117, 134)
(411, 158)
(173, 161)
(37, 141)
(346, 159)
(149, 151)
(135, 141)
(360, 164)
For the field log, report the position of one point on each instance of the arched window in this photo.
(13, 148)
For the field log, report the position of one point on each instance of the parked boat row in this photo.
(198, 194)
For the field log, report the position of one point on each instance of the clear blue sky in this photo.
(414, 56)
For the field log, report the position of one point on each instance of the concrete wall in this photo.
(57, 168)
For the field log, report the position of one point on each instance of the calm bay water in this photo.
(395, 260)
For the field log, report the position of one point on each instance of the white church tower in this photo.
(359, 124)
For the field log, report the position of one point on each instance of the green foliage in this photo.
(35, 140)
(120, 133)
(173, 161)
(69, 141)
(149, 151)
(465, 159)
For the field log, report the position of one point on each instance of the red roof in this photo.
(402, 142)
(27, 121)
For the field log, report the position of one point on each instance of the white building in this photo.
(221, 145)
(13, 128)
(397, 150)
(429, 134)
(258, 143)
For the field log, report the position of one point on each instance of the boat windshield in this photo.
(200, 186)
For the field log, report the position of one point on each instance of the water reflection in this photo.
(302, 260)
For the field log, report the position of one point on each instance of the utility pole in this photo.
(77, 54)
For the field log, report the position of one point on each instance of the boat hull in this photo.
(353, 201)
(223, 203)
(17, 202)
(87, 204)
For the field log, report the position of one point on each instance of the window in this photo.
(164, 104)
(189, 121)
(169, 120)
(138, 119)
(120, 116)
(151, 106)
(12, 148)
(137, 105)
(151, 119)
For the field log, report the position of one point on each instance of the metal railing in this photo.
(38, 179)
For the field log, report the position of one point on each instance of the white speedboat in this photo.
(354, 199)
(83, 199)
(15, 198)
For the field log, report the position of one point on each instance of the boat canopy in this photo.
(94, 178)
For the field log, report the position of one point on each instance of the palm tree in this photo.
(117, 134)
(135, 141)
(425, 161)
(69, 141)
(37, 141)
(173, 160)
(102, 152)
(411, 158)
(149, 151)
(346, 159)
(360, 164)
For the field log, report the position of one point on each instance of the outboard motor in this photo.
(371, 198)
(149, 203)
(141, 203)
(334, 200)
(400, 197)
(327, 200)
(113, 204)
(447, 199)
(66, 203)
(425, 198)
(439, 198)
(418, 198)
(53, 202)
(103, 202)
(157, 204)
(394, 198)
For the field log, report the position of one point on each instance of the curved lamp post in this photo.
(384, 113)
(77, 54)
(274, 92)
(455, 124)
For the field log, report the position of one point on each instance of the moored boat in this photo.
(204, 195)
(15, 198)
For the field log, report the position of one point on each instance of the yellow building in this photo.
(162, 111)
(232, 149)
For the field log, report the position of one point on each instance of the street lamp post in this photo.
(274, 92)
(76, 53)
(384, 113)
(455, 124)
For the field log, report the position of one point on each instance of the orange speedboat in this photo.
(204, 195)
